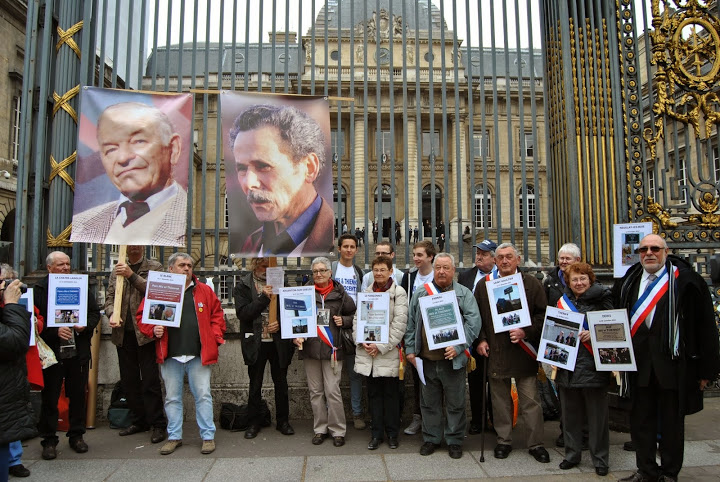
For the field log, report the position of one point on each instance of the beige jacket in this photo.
(387, 363)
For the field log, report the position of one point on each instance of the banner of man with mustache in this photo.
(278, 174)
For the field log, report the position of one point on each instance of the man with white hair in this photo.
(554, 282)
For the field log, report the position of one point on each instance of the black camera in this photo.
(23, 286)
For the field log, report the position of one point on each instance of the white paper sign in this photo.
(373, 318)
(508, 303)
(611, 341)
(28, 301)
(442, 320)
(298, 316)
(275, 277)
(164, 299)
(626, 240)
(67, 300)
(560, 341)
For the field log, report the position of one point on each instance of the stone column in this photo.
(361, 215)
(461, 186)
(411, 164)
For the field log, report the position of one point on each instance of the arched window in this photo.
(226, 218)
(483, 207)
(527, 205)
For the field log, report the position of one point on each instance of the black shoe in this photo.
(560, 441)
(502, 451)
(428, 448)
(667, 478)
(393, 442)
(338, 441)
(455, 451)
(319, 438)
(78, 445)
(19, 471)
(629, 446)
(49, 452)
(601, 471)
(635, 477)
(285, 428)
(474, 429)
(158, 435)
(374, 443)
(252, 431)
(565, 465)
(540, 454)
(132, 430)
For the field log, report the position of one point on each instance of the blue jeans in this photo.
(16, 452)
(355, 385)
(173, 373)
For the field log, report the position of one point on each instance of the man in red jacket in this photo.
(191, 348)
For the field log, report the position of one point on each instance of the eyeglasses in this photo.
(378, 253)
(380, 270)
(319, 271)
(580, 279)
(654, 249)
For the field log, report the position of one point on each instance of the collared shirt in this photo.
(153, 201)
(294, 236)
(478, 276)
(641, 289)
(300, 228)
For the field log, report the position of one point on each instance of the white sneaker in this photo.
(414, 426)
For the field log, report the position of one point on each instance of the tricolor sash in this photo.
(649, 299)
(494, 274)
(564, 303)
(326, 336)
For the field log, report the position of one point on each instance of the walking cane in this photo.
(484, 415)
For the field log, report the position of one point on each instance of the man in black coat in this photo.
(484, 265)
(675, 341)
(73, 370)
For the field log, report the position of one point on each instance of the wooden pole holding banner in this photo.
(95, 345)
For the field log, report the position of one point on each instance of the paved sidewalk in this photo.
(272, 456)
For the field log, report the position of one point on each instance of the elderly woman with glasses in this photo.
(323, 356)
(583, 391)
(380, 362)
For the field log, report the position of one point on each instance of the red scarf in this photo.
(325, 291)
(387, 286)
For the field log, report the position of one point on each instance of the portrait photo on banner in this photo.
(131, 182)
(279, 175)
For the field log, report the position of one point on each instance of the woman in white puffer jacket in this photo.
(380, 362)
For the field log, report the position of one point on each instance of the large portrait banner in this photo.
(278, 174)
(134, 151)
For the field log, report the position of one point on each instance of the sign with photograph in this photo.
(508, 303)
(559, 341)
(275, 277)
(442, 320)
(28, 301)
(373, 318)
(611, 341)
(298, 316)
(164, 298)
(67, 300)
(626, 240)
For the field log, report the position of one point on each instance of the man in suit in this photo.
(279, 152)
(675, 342)
(484, 265)
(139, 150)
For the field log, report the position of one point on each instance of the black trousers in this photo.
(75, 374)
(475, 387)
(657, 409)
(384, 400)
(140, 378)
(268, 353)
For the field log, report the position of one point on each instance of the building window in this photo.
(337, 143)
(527, 205)
(431, 144)
(226, 217)
(481, 145)
(529, 144)
(483, 207)
(651, 183)
(716, 164)
(384, 146)
(682, 180)
(15, 141)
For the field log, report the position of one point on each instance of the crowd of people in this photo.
(674, 340)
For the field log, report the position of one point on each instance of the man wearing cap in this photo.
(484, 266)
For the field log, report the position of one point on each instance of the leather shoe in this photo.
(49, 452)
(540, 454)
(132, 430)
(601, 471)
(252, 431)
(374, 443)
(19, 471)
(629, 446)
(667, 478)
(319, 438)
(285, 428)
(635, 477)
(158, 435)
(474, 429)
(455, 451)
(428, 448)
(78, 445)
(565, 465)
(393, 442)
(502, 451)
(338, 441)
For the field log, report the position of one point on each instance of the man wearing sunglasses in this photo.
(675, 342)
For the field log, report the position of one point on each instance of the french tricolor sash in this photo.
(326, 336)
(432, 290)
(492, 274)
(564, 303)
(647, 300)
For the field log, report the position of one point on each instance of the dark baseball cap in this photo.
(487, 245)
